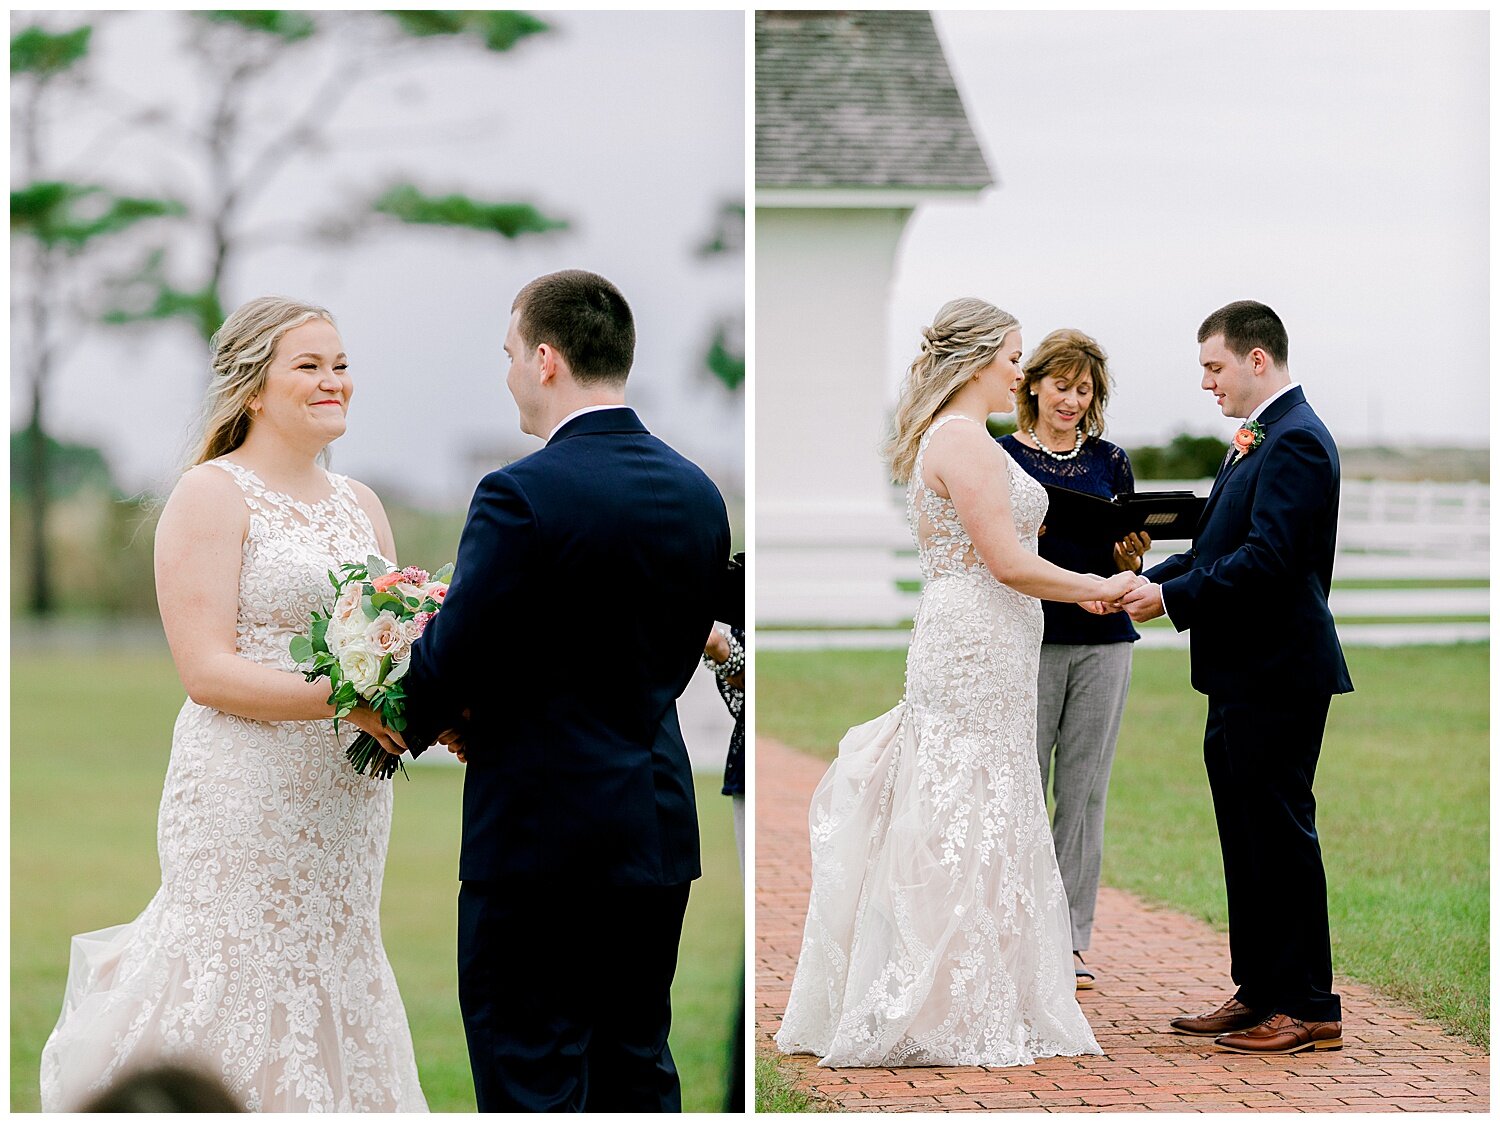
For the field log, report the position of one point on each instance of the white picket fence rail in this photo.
(1388, 531)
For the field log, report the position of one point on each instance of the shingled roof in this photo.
(859, 100)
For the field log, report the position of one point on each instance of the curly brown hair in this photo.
(1067, 354)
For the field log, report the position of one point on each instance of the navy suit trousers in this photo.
(1261, 755)
(566, 995)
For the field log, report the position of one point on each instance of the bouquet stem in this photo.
(369, 759)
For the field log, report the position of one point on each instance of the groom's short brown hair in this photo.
(1245, 325)
(584, 318)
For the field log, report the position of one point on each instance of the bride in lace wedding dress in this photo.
(260, 957)
(937, 927)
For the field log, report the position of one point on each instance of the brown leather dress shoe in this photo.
(1281, 1033)
(1229, 1017)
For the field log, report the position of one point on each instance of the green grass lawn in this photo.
(1403, 794)
(85, 782)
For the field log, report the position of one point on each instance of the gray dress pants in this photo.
(1081, 691)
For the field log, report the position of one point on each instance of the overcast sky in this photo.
(1152, 167)
(629, 125)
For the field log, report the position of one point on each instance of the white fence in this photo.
(1388, 531)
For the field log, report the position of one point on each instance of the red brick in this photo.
(1153, 965)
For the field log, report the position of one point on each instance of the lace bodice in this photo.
(943, 545)
(288, 551)
(260, 956)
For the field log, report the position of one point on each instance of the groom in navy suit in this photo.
(585, 583)
(1253, 590)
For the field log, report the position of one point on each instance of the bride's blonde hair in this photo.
(242, 349)
(965, 337)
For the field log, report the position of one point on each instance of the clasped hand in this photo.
(363, 717)
(1142, 601)
(1114, 592)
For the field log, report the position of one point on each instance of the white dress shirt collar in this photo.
(1260, 409)
(580, 413)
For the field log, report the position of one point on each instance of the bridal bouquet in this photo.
(363, 647)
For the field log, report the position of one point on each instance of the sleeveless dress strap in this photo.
(927, 437)
(255, 491)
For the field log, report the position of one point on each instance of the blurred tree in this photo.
(725, 358)
(251, 59)
(55, 226)
(1185, 457)
(70, 469)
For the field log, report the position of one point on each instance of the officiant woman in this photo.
(1085, 664)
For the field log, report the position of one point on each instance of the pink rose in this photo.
(383, 583)
(384, 633)
(436, 592)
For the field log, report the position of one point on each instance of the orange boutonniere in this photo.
(1247, 439)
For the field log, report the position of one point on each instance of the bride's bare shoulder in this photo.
(962, 442)
(204, 495)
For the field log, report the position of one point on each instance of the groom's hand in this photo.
(1144, 602)
(454, 740)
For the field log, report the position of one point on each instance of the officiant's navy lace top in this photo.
(1101, 469)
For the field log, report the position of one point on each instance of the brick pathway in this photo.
(1154, 964)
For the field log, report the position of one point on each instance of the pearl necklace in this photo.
(1078, 444)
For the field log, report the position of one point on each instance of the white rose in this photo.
(342, 632)
(360, 665)
(384, 633)
(407, 590)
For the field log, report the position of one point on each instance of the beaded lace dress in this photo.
(260, 957)
(937, 927)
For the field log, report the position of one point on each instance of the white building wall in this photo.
(826, 514)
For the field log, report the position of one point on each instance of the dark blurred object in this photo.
(168, 1088)
(731, 604)
(735, 1100)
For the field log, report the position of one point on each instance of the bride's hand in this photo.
(1111, 589)
(362, 717)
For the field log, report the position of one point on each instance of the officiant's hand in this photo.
(1144, 603)
(1130, 551)
(362, 717)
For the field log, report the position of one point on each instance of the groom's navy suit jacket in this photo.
(582, 597)
(1253, 589)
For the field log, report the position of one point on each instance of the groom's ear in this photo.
(550, 362)
(546, 362)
